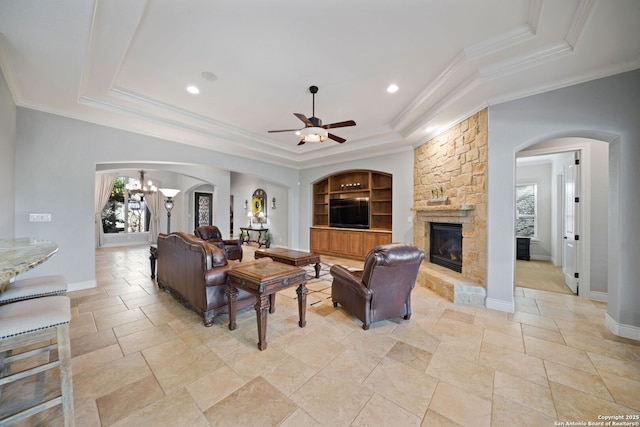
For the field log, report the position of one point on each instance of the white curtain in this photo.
(154, 209)
(104, 186)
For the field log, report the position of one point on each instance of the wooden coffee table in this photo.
(287, 256)
(264, 280)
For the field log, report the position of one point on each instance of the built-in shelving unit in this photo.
(352, 243)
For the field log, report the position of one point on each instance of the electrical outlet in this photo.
(40, 217)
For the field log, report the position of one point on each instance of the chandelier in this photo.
(140, 187)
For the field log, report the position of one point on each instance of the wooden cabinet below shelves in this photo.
(347, 243)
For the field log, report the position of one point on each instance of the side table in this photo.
(264, 280)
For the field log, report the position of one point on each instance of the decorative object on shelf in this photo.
(438, 197)
(139, 187)
(169, 193)
(273, 203)
(314, 130)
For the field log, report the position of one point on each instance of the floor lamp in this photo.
(169, 193)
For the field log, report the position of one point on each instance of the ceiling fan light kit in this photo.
(313, 134)
(314, 130)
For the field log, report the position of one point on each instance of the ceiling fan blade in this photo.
(339, 124)
(336, 138)
(303, 118)
(283, 130)
(302, 141)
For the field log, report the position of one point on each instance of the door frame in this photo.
(584, 257)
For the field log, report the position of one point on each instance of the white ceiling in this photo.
(126, 64)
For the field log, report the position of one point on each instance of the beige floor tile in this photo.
(122, 402)
(473, 377)
(434, 419)
(332, 400)
(91, 342)
(111, 320)
(572, 404)
(177, 409)
(625, 391)
(315, 350)
(406, 387)
(535, 320)
(268, 406)
(564, 355)
(300, 418)
(615, 366)
(597, 344)
(132, 327)
(458, 405)
(578, 379)
(468, 348)
(90, 385)
(411, 356)
(526, 393)
(506, 413)
(499, 339)
(413, 334)
(215, 386)
(98, 302)
(514, 363)
(543, 334)
(382, 412)
(146, 338)
(87, 415)
(95, 359)
(351, 365)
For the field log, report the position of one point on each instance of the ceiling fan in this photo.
(314, 130)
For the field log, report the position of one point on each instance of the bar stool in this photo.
(31, 321)
(34, 288)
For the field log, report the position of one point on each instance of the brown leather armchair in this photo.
(232, 247)
(383, 289)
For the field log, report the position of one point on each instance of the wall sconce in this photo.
(169, 193)
(273, 203)
(246, 205)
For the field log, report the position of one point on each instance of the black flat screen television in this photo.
(349, 213)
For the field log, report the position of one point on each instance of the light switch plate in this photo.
(40, 217)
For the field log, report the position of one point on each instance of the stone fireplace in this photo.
(450, 191)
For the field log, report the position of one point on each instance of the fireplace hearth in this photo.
(445, 248)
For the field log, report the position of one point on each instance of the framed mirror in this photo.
(259, 205)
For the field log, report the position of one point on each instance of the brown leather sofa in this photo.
(211, 233)
(195, 272)
(383, 289)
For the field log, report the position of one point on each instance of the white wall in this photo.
(55, 166)
(7, 160)
(604, 109)
(242, 188)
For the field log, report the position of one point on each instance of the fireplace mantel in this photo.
(444, 210)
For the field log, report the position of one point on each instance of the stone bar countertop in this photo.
(20, 255)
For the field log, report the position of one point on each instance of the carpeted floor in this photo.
(541, 275)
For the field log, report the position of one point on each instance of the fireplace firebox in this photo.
(445, 248)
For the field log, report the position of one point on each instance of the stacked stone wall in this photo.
(455, 162)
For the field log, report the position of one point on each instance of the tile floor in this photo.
(140, 358)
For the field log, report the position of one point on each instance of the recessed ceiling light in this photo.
(392, 88)
(208, 75)
(193, 89)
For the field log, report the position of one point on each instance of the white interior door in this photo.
(571, 225)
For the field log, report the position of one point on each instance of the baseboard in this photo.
(78, 286)
(625, 331)
(598, 296)
(500, 305)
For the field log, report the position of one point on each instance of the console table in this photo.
(260, 241)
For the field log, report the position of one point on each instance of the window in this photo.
(124, 212)
(526, 211)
